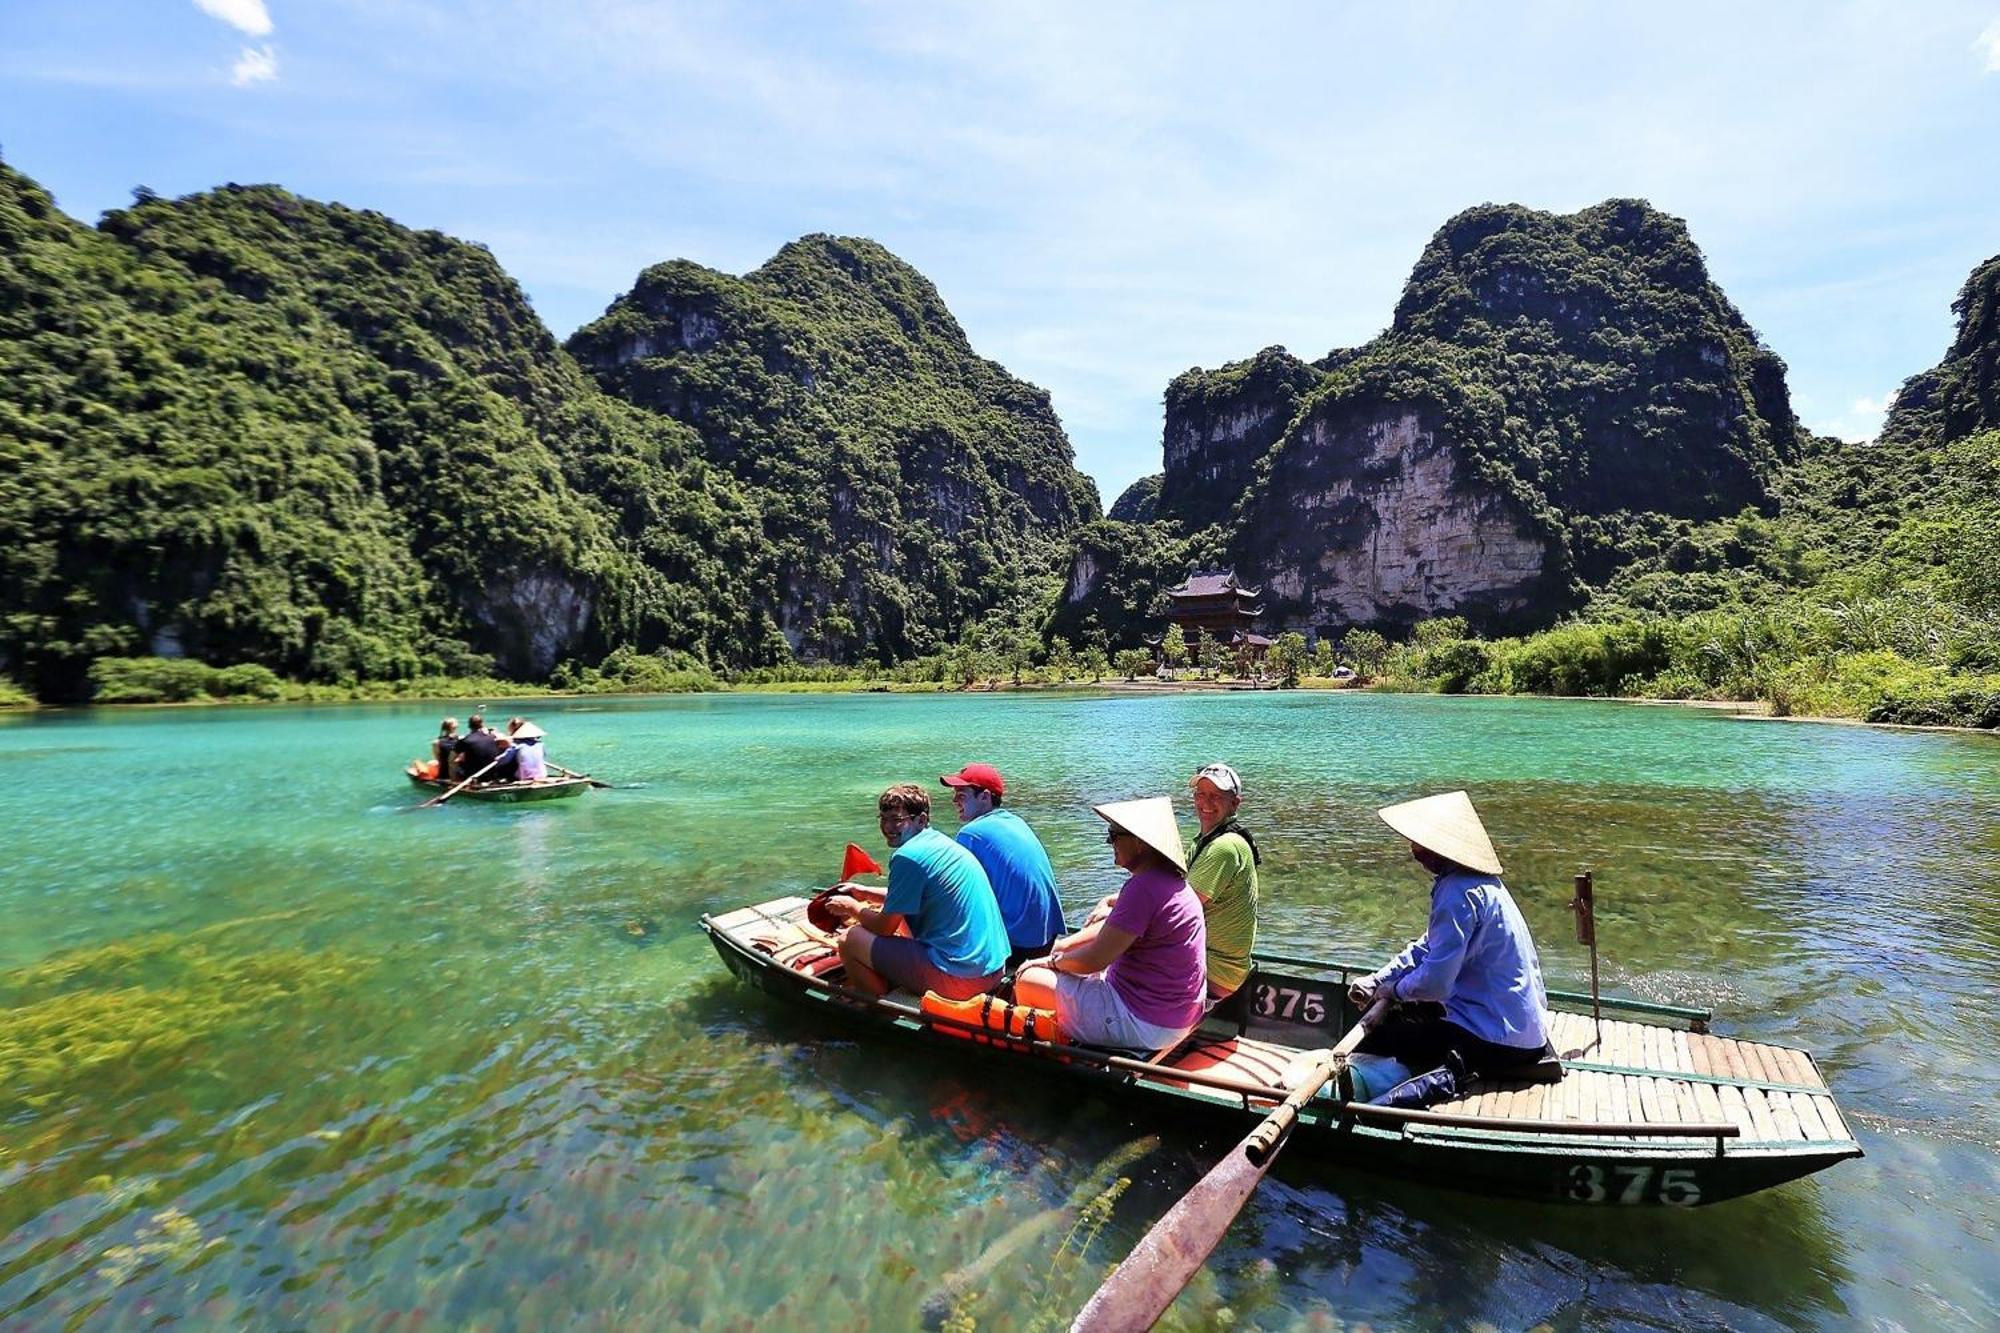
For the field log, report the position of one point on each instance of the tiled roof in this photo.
(1211, 585)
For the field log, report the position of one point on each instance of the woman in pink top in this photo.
(1136, 978)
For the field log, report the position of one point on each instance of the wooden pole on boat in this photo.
(440, 800)
(1140, 1289)
(1585, 907)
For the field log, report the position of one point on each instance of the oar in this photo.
(440, 800)
(1139, 1290)
(585, 776)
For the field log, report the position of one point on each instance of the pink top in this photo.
(1163, 977)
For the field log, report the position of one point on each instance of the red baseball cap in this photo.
(984, 776)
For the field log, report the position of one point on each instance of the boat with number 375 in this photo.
(1650, 1106)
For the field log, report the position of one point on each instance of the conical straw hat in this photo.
(1448, 825)
(1151, 821)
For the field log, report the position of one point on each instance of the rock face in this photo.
(1960, 396)
(907, 483)
(1544, 376)
(1382, 526)
(1219, 425)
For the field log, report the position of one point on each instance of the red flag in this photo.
(858, 862)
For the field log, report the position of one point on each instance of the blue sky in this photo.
(1105, 194)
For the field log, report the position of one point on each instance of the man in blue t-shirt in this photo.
(1024, 883)
(937, 928)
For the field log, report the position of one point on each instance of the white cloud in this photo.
(248, 16)
(257, 64)
(1861, 422)
(1988, 45)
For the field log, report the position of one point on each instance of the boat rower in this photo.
(1472, 986)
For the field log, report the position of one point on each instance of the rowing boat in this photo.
(542, 789)
(1651, 1108)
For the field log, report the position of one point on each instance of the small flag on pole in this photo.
(858, 862)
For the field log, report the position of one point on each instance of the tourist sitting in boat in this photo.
(1472, 986)
(937, 927)
(1136, 978)
(476, 749)
(442, 746)
(1015, 862)
(1222, 871)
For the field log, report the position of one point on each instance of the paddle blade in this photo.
(858, 862)
(1135, 1295)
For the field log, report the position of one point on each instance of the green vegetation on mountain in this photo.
(908, 485)
(245, 427)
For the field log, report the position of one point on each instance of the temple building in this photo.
(1215, 603)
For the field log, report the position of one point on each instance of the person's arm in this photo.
(1106, 943)
(1454, 917)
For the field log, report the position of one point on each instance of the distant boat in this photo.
(542, 789)
(1650, 1107)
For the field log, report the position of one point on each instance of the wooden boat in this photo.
(1651, 1108)
(542, 789)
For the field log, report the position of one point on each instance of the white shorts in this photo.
(1090, 1010)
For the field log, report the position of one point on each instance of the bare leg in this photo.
(1036, 988)
(854, 947)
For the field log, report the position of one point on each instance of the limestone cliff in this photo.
(1960, 396)
(1542, 374)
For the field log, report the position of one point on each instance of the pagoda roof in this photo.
(1212, 584)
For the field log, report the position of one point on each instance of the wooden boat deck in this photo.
(1643, 1075)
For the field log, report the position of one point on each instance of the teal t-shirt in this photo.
(940, 889)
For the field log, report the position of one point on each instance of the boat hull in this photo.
(509, 793)
(1493, 1156)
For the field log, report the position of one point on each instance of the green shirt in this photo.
(1224, 877)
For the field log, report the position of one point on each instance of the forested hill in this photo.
(246, 427)
(249, 428)
(1960, 396)
(908, 484)
(1554, 392)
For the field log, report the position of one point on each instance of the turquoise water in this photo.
(274, 1052)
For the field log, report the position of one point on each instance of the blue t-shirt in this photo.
(938, 887)
(1024, 883)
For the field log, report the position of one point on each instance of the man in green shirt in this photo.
(1222, 871)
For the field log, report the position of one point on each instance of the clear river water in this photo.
(274, 1053)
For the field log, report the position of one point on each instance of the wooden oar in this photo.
(1139, 1290)
(585, 776)
(440, 800)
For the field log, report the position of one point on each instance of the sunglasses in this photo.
(1113, 835)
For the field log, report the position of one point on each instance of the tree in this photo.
(1212, 655)
(1062, 659)
(1134, 662)
(1094, 662)
(1368, 649)
(1173, 645)
(1322, 658)
(1288, 657)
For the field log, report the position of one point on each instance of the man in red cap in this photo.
(1024, 883)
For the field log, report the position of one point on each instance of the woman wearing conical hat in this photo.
(1472, 986)
(1135, 978)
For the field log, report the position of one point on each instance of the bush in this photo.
(172, 680)
(13, 696)
(148, 680)
(1586, 659)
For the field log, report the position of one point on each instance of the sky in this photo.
(1105, 194)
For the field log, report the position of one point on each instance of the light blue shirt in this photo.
(938, 887)
(1478, 961)
(1024, 883)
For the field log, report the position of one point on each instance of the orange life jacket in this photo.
(990, 1013)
